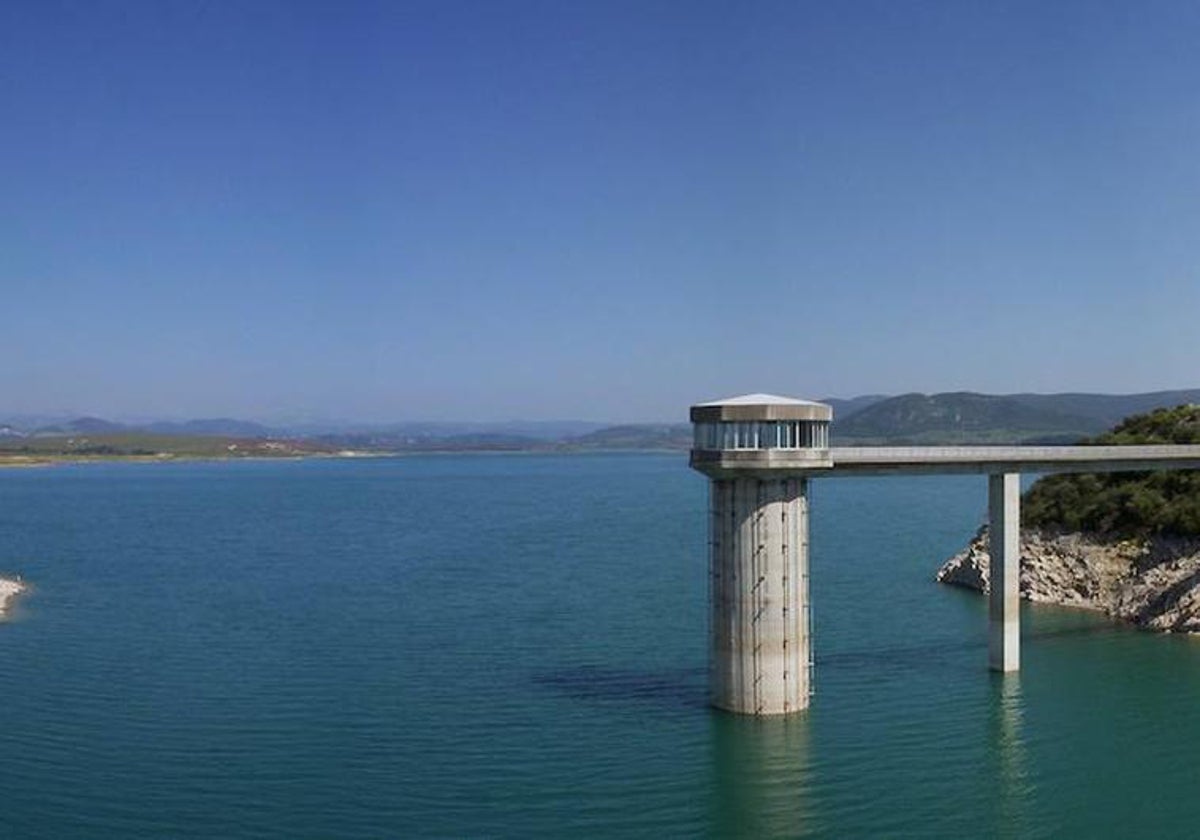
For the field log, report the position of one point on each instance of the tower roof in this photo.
(760, 399)
(760, 407)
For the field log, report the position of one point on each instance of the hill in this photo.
(81, 426)
(1107, 410)
(962, 417)
(959, 417)
(636, 436)
(843, 408)
(967, 417)
(214, 427)
(1126, 504)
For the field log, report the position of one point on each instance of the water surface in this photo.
(515, 646)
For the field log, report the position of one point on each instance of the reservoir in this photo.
(515, 646)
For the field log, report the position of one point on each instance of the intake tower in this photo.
(757, 451)
(760, 451)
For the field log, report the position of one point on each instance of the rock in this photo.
(1154, 583)
(9, 589)
(968, 568)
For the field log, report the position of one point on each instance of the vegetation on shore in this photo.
(1134, 504)
(28, 451)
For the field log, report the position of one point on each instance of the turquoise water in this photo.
(514, 646)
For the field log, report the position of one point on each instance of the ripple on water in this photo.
(515, 647)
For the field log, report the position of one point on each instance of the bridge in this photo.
(759, 452)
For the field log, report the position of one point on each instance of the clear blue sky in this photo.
(596, 210)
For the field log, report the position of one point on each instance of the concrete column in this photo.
(1004, 600)
(759, 647)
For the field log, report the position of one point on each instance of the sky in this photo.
(605, 211)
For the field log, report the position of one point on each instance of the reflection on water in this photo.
(1013, 790)
(762, 774)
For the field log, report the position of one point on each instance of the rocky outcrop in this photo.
(9, 589)
(1154, 583)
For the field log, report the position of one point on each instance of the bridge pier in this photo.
(1004, 600)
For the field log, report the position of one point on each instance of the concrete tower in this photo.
(757, 451)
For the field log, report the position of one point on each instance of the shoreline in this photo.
(36, 461)
(1151, 582)
(40, 461)
(10, 588)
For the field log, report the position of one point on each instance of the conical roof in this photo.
(760, 407)
(760, 399)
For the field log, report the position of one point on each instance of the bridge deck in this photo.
(893, 460)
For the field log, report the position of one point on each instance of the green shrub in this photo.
(1136, 504)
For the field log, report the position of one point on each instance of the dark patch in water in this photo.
(672, 689)
(947, 653)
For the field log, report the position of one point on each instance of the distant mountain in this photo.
(967, 417)
(82, 426)
(28, 422)
(219, 427)
(482, 442)
(539, 429)
(959, 417)
(843, 409)
(1107, 410)
(636, 436)
(215, 427)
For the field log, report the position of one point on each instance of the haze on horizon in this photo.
(596, 211)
